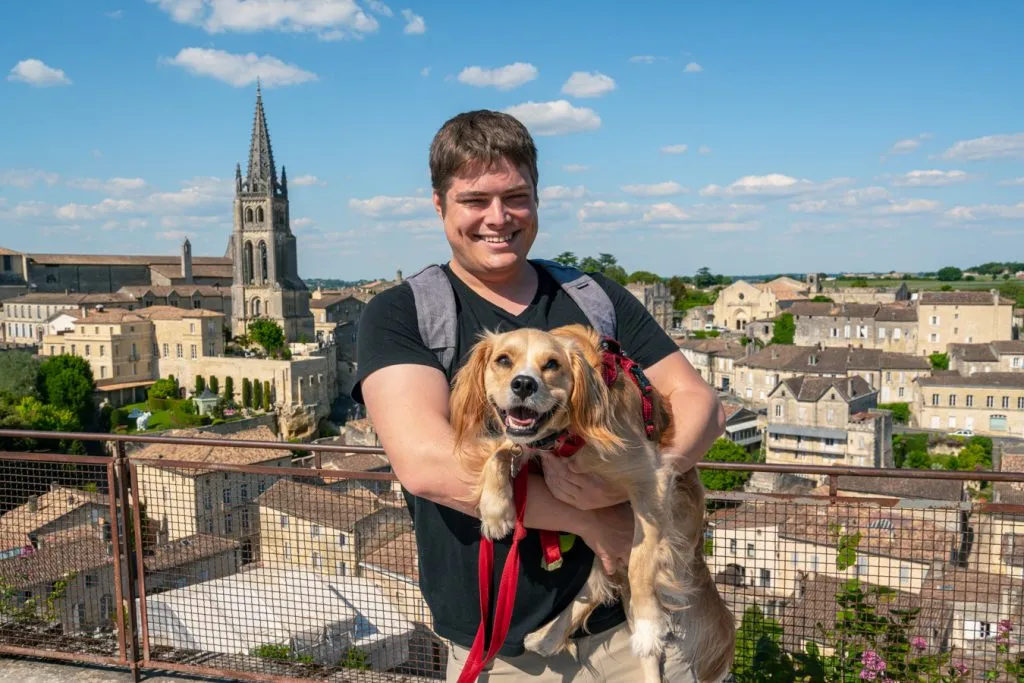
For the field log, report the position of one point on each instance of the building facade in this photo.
(988, 403)
(946, 318)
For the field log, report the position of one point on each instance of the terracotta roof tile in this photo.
(974, 298)
(201, 454)
(332, 509)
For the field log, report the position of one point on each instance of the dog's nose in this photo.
(523, 386)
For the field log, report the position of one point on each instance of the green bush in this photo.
(200, 384)
(900, 411)
(163, 388)
(266, 396)
(257, 394)
(246, 392)
(214, 384)
(156, 404)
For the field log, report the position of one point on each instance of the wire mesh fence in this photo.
(242, 556)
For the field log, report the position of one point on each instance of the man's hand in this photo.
(582, 491)
(609, 533)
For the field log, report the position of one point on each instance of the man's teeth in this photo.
(498, 240)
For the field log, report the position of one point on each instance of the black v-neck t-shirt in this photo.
(449, 540)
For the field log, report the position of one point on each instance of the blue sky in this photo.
(744, 137)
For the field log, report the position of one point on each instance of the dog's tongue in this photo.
(521, 417)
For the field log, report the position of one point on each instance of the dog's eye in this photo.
(504, 361)
(551, 365)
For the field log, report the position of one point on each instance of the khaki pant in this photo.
(609, 654)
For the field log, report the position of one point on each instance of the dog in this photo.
(519, 389)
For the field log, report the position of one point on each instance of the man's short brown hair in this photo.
(483, 138)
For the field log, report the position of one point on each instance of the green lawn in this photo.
(920, 284)
(164, 419)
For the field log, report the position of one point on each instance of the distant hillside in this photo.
(332, 283)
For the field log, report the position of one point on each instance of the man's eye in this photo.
(551, 365)
(504, 361)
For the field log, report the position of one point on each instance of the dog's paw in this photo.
(649, 636)
(546, 643)
(497, 517)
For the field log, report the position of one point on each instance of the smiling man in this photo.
(483, 167)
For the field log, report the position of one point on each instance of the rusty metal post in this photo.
(140, 560)
(833, 488)
(125, 503)
(115, 546)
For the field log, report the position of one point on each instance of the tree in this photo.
(267, 333)
(822, 299)
(229, 388)
(66, 381)
(918, 460)
(257, 394)
(644, 276)
(939, 361)
(19, 371)
(785, 329)
(567, 258)
(200, 384)
(753, 629)
(246, 392)
(724, 450)
(163, 388)
(214, 385)
(949, 274)
(704, 278)
(266, 395)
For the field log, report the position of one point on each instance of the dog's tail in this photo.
(703, 621)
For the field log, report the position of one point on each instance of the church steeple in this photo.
(262, 176)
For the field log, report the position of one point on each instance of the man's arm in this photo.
(696, 411)
(408, 405)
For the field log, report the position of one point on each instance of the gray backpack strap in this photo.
(587, 294)
(435, 312)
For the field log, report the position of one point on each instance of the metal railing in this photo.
(234, 557)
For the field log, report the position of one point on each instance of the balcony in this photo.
(326, 585)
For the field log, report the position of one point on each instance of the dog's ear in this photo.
(590, 401)
(468, 401)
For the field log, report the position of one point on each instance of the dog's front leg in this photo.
(650, 622)
(497, 505)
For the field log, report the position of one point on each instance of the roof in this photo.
(902, 487)
(774, 356)
(784, 288)
(397, 556)
(967, 585)
(123, 260)
(189, 549)
(806, 388)
(831, 361)
(330, 508)
(1010, 380)
(897, 313)
(109, 315)
(172, 271)
(326, 301)
(815, 612)
(4, 251)
(139, 291)
(1008, 346)
(71, 298)
(893, 312)
(715, 345)
(213, 454)
(973, 298)
(17, 523)
(354, 462)
(976, 353)
(121, 315)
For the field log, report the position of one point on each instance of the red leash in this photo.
(565, 446)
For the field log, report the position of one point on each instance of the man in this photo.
(483, 169)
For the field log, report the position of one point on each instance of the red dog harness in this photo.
(566, 445)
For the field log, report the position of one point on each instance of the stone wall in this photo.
(87, 278)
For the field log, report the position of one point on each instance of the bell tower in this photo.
(266, 282)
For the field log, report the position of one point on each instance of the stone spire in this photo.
(262, 176)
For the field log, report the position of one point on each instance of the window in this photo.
(778, 410)
(339, 568)
(317, 562)
(732, 546)
(899, 392)
(103, 371)
(288, 550)
(314, 530)
(207, 500)
(243, 491)
(952, 400)
(888, 376)
(934, 320)
(284, 521)
(896, 333)
(226, 495)
(228, 523)
(166, 353)
(87, 351)
(191, 328)
(933, 337)
(970, 400)
(935, 399)
(90, 580)
(102, 350)
(990, 401)
(341, 540)
(750, 550)
(178, 350)
(904, 574)
(1006, 401)
(245, 519)
(1020, 403)
(193, 351)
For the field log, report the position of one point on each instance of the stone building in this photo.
(657, 299)
(714, 359)
(266, 282)
(988, 403)
(946, 318)
(336, 319)
(998, 356)
(891, 374)
(827, 421)
(891, 327)
(743, 302)
(867, 295)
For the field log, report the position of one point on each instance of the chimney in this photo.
(398, 275)
(33, 503)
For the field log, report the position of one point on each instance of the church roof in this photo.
(262, 175)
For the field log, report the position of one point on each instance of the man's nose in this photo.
(523, 386)
(497, 212)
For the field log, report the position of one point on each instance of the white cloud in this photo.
(556, 117)
(587, 84)
(110, 186)
(425, 71)
(693, 68)
(86, 212)
(175, 235)
(1012, 182)
(503, 77)
(907, 145)
(930, 178)
(909, 206)
(330, 19)
(390, 206)
(664, 189)
(379, 7)
(301, 223)
(704, 149)
(304, 180)
(602, 210)
(674, 149)
(415, 25)
(116, 14)
(645, 59)
(1003, 146)
(27, 177)
(982, 212)
(558, 192)
(238, 69)
(664, 213)
(772, 184)
(31, 209)
(36, 73)
(849, 202)
(574, 168)
(197, 192)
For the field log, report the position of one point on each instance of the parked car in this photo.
(962, 432)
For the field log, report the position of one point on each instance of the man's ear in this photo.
(438, 202)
